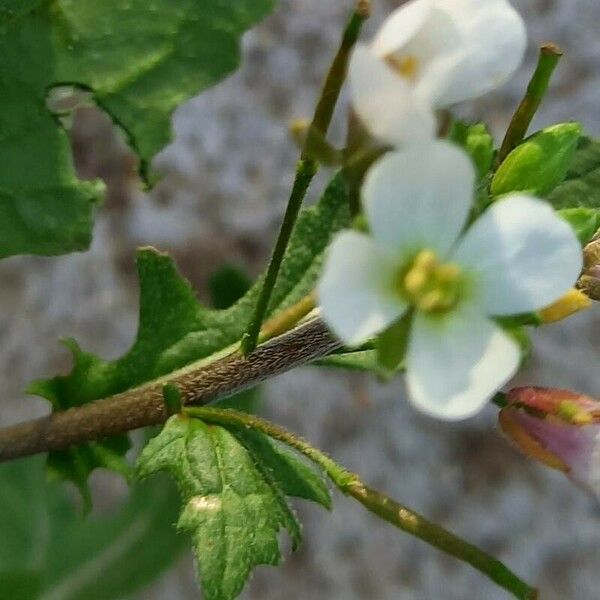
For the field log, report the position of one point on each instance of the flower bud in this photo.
(558, 428)
(540, 163)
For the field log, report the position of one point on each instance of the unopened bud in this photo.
(558, 428)
(540, 163)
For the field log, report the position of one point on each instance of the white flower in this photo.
(518, 257)
(430, 54)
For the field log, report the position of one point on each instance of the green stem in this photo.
(418, 526)
(376, 502)
(548, 60)
(306, 169)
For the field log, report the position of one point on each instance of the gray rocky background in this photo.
(227, 175)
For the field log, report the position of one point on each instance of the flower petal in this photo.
(356, 289)
(456, 363)
(522, 255)
(420, 197)
(386, 103)
(494, 40)
(401, 26)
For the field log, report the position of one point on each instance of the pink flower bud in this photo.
(559, 428)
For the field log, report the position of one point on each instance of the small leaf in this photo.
(584, 221)
(233, 486)
(540, 163)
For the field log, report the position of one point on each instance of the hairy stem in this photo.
(548, 60)
(378, 503)
(198, 384)
(306, 169)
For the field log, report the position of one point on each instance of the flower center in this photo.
(430, 285)
(406, 66)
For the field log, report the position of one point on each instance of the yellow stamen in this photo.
(429, 285)
(435, 299)
(571, 303)
(448, 272)
(406, 66)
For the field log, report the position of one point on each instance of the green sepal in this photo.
(584, 221)
(530, 319)
(392, 344)
(523, 340)
(540, 163)
(478, 143)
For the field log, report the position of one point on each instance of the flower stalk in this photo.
(548, 60)
(307, 167)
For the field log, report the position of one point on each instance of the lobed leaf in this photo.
(138, 59)
(234, 486)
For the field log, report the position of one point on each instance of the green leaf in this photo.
(540, 163)
(139, 60)
(477, 141)
(233, 486)
(581, 188)
(48, 551)
(227, 286)
(584, 221)
(295, 477)
(175, 330)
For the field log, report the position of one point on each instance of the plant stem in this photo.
(198, 383)
(549, 57)
(377, 502)
(306, 169)
(418, 526)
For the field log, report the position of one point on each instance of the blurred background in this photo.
(225, 182)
